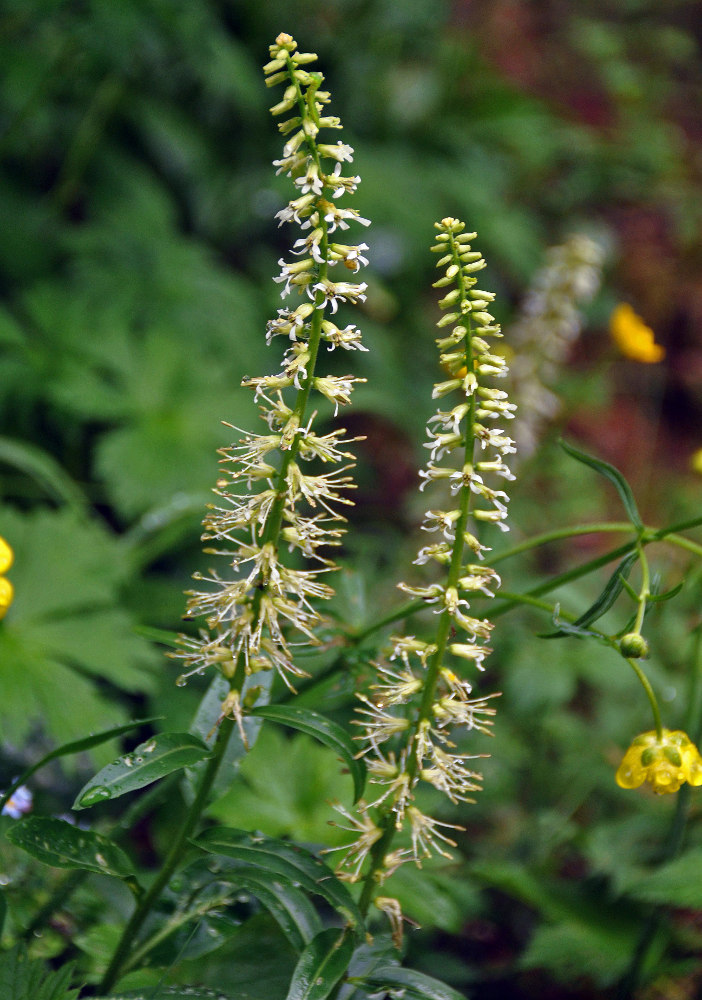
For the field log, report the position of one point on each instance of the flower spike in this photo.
(269, 502)
(409, 717)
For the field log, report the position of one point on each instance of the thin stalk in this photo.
(676, 832)
(172, 859)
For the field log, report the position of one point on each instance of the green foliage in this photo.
(135, 270)
(23, 978)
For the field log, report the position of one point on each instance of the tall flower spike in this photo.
(548, 323)
(270, 500)
(421, 699)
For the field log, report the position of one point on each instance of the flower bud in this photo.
(633, 645)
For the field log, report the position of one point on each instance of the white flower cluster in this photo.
(268, 494)
(549, 322)
(420, 697)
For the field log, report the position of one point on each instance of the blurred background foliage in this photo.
(136, 256)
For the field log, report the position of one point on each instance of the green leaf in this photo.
(205, 724)
(23, 978)
(177, 993)
(62, 845)
(65, 633)
(289, 907)
(150, 761)
(77, 746)
(414, 985)
(322, 729)
(44, 470)
(282, 858)
(615, 477)
(322, 964)
(603, 603)
(676, 883)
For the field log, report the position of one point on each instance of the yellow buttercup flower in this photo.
(6, 556)
(633, 338)
(7, 592)
(665, 763)
(696, 461)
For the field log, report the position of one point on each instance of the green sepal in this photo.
(62, 845)
(322, 729)
(615, 477)
(283, 858)
(322, 964)
(151, 761)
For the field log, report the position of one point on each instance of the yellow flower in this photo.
(633, 338)
(7, 592)
(665, 763)
(6, 556)
(696, 461)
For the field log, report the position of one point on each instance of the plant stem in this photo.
(172, 859)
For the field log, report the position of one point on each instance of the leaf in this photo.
(62, 845)
(176, 993)
(150, 761)
(205, 726)
(66, 627)
(44, 470)
(283, 858)
(322, 729)
(23, 978)
(615, 477)
(414, 985)
(289, 907)
(77, 746)
(676, 883)
(602, 604)
(322, 964)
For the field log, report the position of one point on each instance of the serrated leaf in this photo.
(76, 746)
(327, 732)
(322, 964)
(289, 907)
(282, 858)
(414, 985)
(64, 628)
(161, 755)
(614, 476)
(611, 591)
(24, 978)
(62, 845)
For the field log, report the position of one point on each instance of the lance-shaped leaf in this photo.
(324, 730)
(76, 746)
(288, 905)
(322, 964)
(612, 590)
(176, 993)
(62, 845)
(282, 858)
(152, 760)
(412, 985)
(615, 477)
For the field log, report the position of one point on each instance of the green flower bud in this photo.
(633, 645)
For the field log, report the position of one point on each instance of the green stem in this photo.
(676, 833)
(172, 860)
